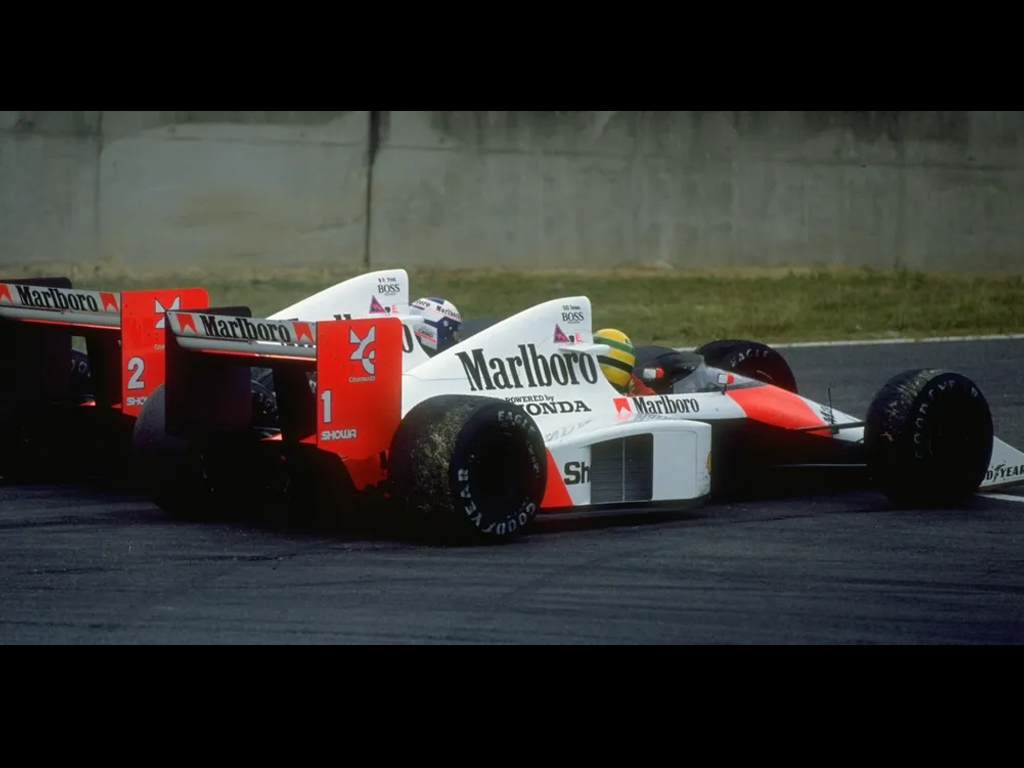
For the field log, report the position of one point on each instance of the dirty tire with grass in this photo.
(468, 470)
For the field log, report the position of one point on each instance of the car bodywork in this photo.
(762, 426)
(606, 453)
(596, 463)
(545, 360)
(756, 426)
(381, 293)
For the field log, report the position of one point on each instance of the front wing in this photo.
(1006, 468)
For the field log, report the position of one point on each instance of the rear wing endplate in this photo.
(124, 334)
(352, 410)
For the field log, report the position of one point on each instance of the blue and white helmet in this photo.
(442, 324)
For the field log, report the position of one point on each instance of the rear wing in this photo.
(124, 334)
(352, 411)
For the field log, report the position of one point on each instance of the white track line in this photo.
(879, 342)
(1003, 497)
(883, 342)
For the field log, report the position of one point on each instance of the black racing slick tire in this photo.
(468, 470)
(199, 482)
(752, 359)
(165, 467)
(928, 438)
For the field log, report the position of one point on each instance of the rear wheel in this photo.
(468, 469)
(752, 359)
(169, 470)
(199, 481)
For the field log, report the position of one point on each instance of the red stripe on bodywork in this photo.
(556, 495)
(777, 407)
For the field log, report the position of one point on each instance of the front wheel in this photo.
(928, 437)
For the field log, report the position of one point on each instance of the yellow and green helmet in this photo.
(618, 364)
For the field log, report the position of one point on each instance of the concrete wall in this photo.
(917, 189)
(149, 187)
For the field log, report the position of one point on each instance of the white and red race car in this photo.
(516, 424)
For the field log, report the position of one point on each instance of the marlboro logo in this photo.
(59, 299)
(245, 329)
(527, 369)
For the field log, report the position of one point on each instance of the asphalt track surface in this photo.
(80, 565)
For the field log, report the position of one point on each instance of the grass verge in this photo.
(775, 305)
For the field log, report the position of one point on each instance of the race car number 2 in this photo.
(136, 369)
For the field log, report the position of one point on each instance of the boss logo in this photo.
(572, 317)
(389, 290)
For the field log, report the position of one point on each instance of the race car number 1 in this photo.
(325, 398)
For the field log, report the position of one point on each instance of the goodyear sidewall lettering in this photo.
(509, 419)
